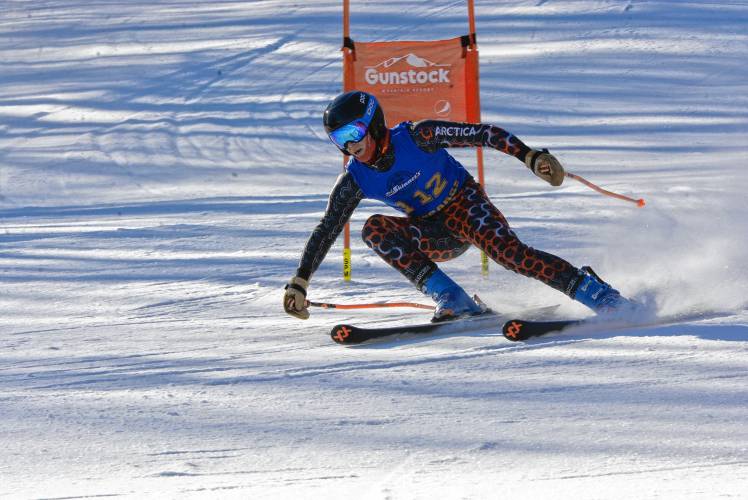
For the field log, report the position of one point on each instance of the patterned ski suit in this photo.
(445, 209)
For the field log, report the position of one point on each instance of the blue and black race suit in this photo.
(445, 209)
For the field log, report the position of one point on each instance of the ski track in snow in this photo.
(162, 164)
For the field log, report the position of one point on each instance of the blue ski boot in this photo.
(600, 296)
(451, 300)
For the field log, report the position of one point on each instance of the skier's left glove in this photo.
(294, 301)
(546, 166)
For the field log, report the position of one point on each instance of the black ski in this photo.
(520, 329)
(350, 334)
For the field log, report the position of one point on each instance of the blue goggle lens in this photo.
(352, 132)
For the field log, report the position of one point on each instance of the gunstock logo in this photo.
(411, 70)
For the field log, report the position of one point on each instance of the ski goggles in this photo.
(355, 130)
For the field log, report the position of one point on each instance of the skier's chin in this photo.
(366, 156)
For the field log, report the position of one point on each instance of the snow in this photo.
(162, 164)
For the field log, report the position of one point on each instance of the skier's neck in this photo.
(384, 155)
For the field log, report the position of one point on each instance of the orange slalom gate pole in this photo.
(471, 16)
(639, 203)
(472, 99)
(325, 305)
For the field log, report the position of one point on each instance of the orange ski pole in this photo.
(639, 203)
(325, 305)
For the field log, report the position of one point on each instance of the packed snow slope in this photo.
(162, 164)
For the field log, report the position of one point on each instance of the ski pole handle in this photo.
(639, 203)
(326, 305)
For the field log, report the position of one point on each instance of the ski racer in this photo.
(445, 209)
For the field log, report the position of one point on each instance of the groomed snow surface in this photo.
(162, 164)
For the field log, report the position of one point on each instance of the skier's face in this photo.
(363, 150)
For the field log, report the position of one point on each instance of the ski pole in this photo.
(639, 203)
(325, 305)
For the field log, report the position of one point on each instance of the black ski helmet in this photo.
(350, 107)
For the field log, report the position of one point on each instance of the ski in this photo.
(351, 334)
(519, 329)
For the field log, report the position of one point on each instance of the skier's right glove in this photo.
(294, 302)
(546, 166)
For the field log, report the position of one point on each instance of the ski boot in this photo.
(451, 300)
(600, 296)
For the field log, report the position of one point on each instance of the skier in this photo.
(445, 209)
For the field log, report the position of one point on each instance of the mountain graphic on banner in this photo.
(411, 59)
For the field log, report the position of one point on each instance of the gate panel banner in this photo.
(413, 80)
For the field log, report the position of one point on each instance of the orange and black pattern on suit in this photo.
(413, 245)
(431, 135)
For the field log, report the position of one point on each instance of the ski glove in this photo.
(546, 166)
(294, 302)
